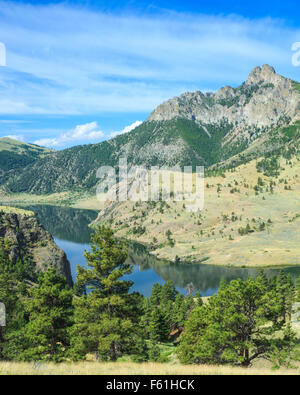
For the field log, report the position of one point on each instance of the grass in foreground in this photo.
(128, 368)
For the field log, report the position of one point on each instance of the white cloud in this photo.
(81, 133)
(127, 129)
(63, 59)
(87, 133)
(16, 137)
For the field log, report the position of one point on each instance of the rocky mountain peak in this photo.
(265, 73)
(262, 101)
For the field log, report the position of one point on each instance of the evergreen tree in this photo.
(107, 317)
(238, 325)
(223, 283)
(158, 326)
(14, 309)
(263, 279)
(182, 309)
(8, 298)
(297, 287)
(285, 290)
(154, 352)
(50, 312)
(146, 315)
(155, 325)
(156, 293)
(199, 300)
(168, 292)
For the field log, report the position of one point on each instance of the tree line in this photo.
(48, 321)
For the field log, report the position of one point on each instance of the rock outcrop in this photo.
(25, 238)
(260, 101)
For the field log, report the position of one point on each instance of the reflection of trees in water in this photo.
(72, 225)
(203, 277)
(65, 223)
(138, 255)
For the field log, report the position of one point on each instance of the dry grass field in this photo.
(127, 368)
(212, 235)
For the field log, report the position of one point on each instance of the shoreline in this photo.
(81, 202)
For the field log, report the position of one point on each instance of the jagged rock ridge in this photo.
(262, 100)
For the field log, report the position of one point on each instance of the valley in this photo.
(157, 272)
(247, 138)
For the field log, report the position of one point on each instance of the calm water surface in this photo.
(69, 227)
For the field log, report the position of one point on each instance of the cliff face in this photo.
(261, 101)
(23, 236)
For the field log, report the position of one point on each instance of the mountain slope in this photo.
(233, 125)
(251, 217)
(16, 155)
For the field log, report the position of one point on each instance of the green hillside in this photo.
(75, 168)
(16, 155)
(183, 142)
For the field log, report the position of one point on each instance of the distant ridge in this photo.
(219, 129)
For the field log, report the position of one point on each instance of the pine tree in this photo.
(285, 290)
(158, 326)
(297, 287)
(156, 293)
(263, 279)
(168, 292)
(155, 325)
(14, 310)
(154, 352)
(199, 299)
(50, 312)
(107, 316)
(223, 283)
(239, 324)
(8, 298)
(181, 311)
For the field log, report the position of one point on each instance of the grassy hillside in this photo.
(250, 218)
(8, 144)
(16, 155)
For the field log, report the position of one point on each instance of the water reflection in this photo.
(70, 229)
(205, 278)
(65, 223)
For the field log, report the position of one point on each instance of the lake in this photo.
(71, 232)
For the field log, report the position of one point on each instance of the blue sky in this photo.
(82, 71)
